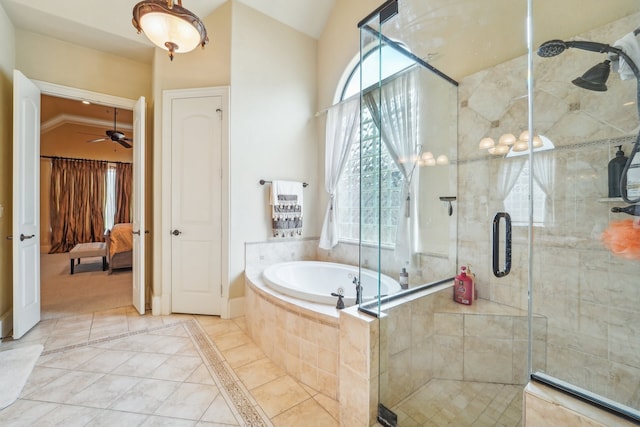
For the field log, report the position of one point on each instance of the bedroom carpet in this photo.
(88, 290)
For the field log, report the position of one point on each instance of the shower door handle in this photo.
(496, 244)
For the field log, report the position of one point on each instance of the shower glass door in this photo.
(586, 255)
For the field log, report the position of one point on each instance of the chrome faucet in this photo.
(358, 290)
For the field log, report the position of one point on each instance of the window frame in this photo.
(355, 234)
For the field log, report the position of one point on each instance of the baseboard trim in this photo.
(235, 307)
(6, 323)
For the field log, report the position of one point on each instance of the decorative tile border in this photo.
(112, 338)
(246, 408)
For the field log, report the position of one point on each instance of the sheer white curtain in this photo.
(110, 199)
(395, 111)
(544, 173)
(343, 128)
(508, 173)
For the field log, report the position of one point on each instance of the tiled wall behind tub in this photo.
(429, 268)
(260, 255)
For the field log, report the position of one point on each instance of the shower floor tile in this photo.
(461, 404)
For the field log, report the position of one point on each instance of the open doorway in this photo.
(85, 148)
(26, 195)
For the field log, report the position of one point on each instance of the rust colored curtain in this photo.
(77, 201)
(124, 180)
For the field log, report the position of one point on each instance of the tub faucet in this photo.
(358, 290)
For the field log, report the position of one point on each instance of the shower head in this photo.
(595, 78)
(551, 48)
(556, 47)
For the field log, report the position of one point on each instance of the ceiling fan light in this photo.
(170, 27)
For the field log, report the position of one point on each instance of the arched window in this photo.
(382, 183)
(517, 200)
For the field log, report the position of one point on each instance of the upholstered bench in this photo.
(85, 250)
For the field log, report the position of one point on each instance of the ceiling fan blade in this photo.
(123, 143)
(98, 140)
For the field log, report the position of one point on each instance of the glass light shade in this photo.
(486, 143)
(524, 136)
(499, 150)
(169, 26)
(162, 28)
(442, 160)
(520, 146)
(537, 142)
(507, 139)
(430, 162)
(427, 155)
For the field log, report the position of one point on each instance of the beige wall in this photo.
(7, 64)
(54, 61)
(273, 128)
(339, 44)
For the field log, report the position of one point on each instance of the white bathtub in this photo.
(315, 281)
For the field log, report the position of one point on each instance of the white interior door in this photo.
(138, 205)
(196, 203)
(26, 204)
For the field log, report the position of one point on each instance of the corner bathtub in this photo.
(315, 281)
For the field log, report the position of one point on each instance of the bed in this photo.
(119, 246)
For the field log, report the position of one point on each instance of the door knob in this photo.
(23, 237)
(176, 232)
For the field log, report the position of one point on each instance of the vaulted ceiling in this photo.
(106, 24)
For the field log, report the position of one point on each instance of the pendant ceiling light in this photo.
(169, 26)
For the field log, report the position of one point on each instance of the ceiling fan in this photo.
(115, 135)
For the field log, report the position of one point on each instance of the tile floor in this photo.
(462, 403)
(115, 367)
(118, 368)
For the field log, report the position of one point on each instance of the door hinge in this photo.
(221, 293)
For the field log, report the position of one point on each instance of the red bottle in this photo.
(463, 288)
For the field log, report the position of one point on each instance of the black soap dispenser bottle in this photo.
(616, 166)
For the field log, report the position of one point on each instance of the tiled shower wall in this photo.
(588, 295)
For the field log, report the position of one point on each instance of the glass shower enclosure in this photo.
(482, 153)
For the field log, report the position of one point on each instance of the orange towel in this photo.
(623, 238)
